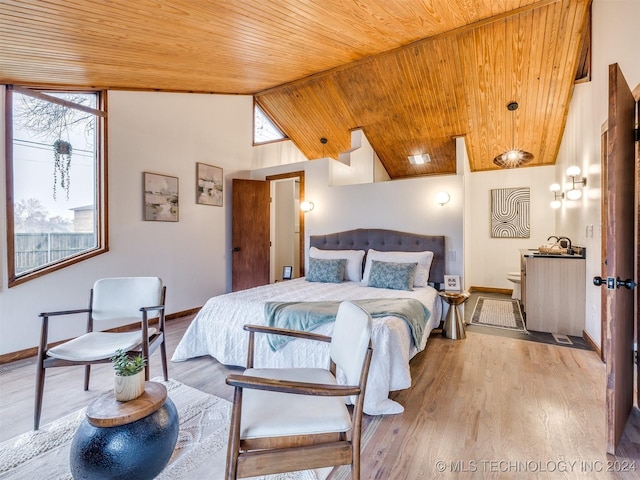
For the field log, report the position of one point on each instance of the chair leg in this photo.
(233, 448)
(87, 374)
(355, 465)
(163, 354)
(37, 410)
(355, 454)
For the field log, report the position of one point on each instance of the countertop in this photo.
(580, 253)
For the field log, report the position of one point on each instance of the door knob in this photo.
(236, 249)
(598, 281)
(628, 283)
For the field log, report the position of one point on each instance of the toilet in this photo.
(514, 277)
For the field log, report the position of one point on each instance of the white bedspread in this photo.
(217, 331)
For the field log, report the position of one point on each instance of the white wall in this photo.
(154, 132)
(616, 39)
(355, 166)
(276, 153)
(488, 260)
(406, 205)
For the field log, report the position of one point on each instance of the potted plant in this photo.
(62, 165)
(129, 375)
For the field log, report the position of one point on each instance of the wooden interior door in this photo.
(249, 233)
(636, 313)
(619, 256)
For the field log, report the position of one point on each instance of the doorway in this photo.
(287, 226)
(285, 229)
(252, 225)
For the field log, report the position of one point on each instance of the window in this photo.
(55, 175)
(264, 131)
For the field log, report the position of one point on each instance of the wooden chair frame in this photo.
(147, 347)
(265, 456)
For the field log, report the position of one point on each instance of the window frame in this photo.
(284, 138)
(101, 184)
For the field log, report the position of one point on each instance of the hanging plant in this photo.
(61, 165)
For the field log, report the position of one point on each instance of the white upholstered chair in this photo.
(113, 302)
(288, 419)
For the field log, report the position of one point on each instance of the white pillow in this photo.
(423, 259)
(353, 272)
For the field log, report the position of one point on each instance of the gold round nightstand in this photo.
(453, 323)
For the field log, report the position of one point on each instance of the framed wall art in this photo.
(287, 272)
(160, 197)
(452, 282)
(510, 212)
(209, 185)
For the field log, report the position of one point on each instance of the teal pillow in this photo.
(326, 270)
(395, 276)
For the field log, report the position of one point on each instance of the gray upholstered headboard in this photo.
(385, 241)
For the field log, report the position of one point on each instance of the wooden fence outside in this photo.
(34, 250)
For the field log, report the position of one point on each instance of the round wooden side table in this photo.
(126, 440)
(453, 323)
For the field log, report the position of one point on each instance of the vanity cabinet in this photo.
(553, 294)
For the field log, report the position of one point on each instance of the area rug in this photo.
(498, 313)
(200, 451)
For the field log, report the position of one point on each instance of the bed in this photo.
(217, 329)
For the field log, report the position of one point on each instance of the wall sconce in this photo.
(574, 193)
(442, 198)
(557, 197)
(306, 206)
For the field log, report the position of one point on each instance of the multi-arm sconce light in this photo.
(306, 206)
(442, 198)
(557, 195)
(574, 193)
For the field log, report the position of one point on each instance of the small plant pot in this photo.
(129, 387)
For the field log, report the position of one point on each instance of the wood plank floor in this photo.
(483, 407)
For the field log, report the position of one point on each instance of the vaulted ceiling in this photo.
(412, 74)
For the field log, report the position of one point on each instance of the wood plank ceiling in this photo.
(413, 74)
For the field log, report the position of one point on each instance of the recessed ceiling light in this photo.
(419, 159)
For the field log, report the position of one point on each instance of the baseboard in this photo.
(592, 344)
(184, 313)
(32, 352)
(506, 291)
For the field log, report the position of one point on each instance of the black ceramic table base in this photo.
(136, 451)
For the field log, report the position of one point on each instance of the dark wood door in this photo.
(249, 234)
(619, 255)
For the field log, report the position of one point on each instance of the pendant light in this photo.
(513, 158)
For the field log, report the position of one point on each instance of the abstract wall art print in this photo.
(209, 185)
(160, 197)
(510, 212)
